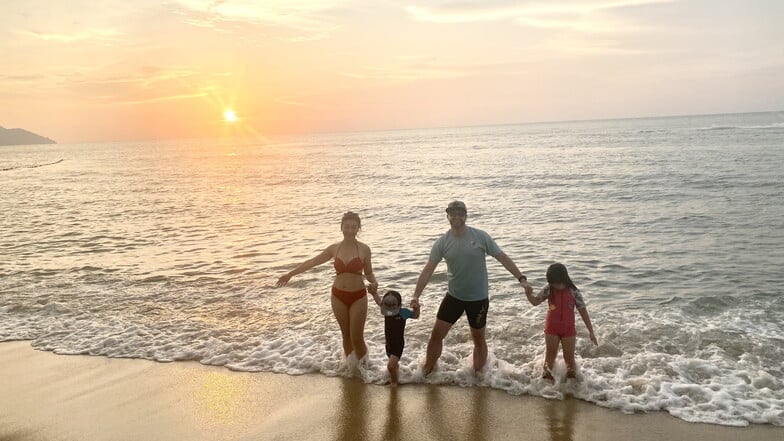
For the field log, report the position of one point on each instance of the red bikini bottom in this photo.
(348, 297)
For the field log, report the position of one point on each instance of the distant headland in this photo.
(21, 137)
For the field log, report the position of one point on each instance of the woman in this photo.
(349, 296)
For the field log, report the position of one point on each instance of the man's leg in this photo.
(480, 348)
(435, 344)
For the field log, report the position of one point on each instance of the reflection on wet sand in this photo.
(479, 415)
(440, 423)
(351, 413)
(393, 425)
(560, 415)
(457, 413)
(442, 412)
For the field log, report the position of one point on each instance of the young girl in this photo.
(562, 296)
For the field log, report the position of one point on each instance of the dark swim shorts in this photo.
(451, 309)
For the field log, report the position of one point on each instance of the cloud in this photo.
(542, 14)
(306, 20)
(68, 22)
(145, 76)
(145, 84)
(419, 70)
(281, 11)
(21, 78)
(400, 71)
(158, 99)
(293, 101)
(104, 35)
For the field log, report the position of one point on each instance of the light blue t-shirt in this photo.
(465, 262)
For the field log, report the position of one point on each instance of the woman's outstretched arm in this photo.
(306, 265)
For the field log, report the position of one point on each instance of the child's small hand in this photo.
(373, 288)
(593, 339)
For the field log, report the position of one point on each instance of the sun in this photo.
(229, 116)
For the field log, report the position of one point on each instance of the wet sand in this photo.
(44, 396)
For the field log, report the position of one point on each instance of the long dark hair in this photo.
(350, 215)
(556, 273)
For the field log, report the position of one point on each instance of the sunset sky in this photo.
(88, 71)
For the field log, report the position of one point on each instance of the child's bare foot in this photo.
(393, 369)
(546, 375)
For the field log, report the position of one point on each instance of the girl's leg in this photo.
(551, 351)
(357, 314)
(341, 314)
(568, 345)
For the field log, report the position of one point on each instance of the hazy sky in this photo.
(98, 70)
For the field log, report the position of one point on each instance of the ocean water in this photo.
(672, 227)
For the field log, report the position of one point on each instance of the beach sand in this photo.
(44, 396)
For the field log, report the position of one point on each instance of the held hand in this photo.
(284, 279)
(415, 303)
(373, 288)
(593, 339)
(527, 287)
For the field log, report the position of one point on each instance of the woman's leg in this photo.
(568, 345)
(551, 351)
(341, 314)
(357, 316)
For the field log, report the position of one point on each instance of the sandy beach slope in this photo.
(44, 396)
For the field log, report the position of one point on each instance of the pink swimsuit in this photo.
(560, 315)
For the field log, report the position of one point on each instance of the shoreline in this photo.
(45, 396)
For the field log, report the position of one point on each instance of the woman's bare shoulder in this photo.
(332, 248)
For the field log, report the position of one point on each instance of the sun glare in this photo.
(229, 116)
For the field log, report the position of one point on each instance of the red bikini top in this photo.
(354, 265)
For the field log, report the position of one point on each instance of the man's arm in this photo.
(424, 278)
(512, 268)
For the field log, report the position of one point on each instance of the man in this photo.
(464, 248)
